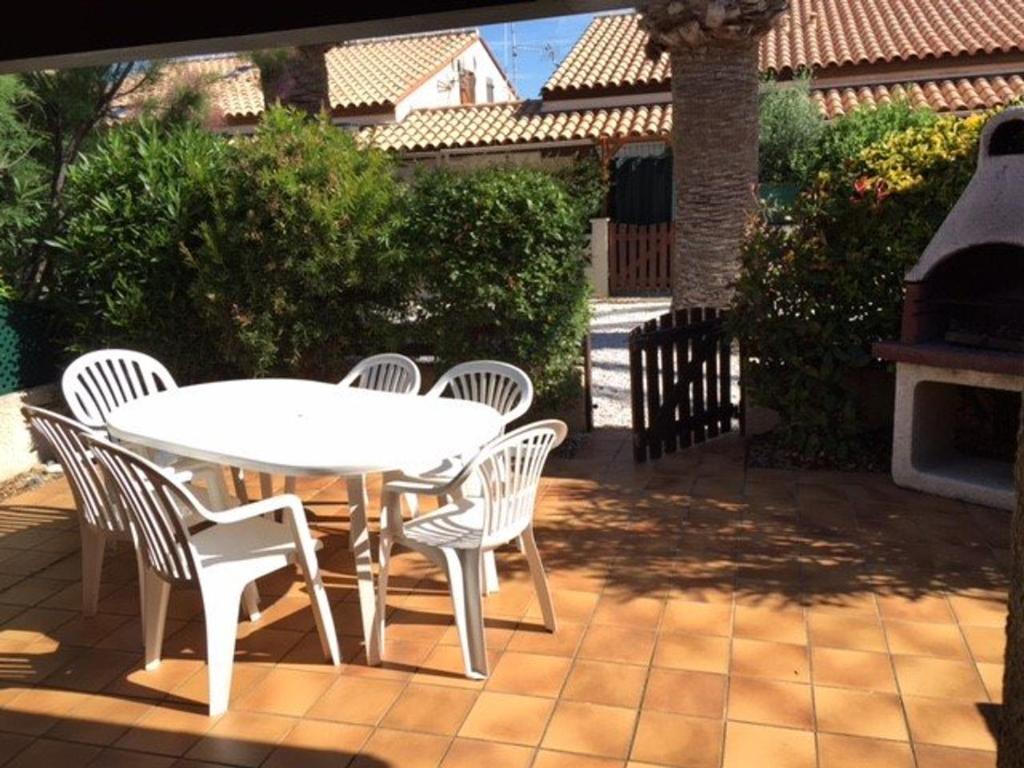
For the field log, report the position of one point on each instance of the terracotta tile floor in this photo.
(710, 616)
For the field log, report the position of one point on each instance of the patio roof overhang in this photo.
(85, 34)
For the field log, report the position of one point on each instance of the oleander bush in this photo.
(124, 277)
(298, 265)
(814, 296)
(499, 254)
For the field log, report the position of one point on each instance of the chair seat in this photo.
(252, 546)
(456, 525)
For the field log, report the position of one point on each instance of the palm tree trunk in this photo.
(1011, 738)
(714, 145)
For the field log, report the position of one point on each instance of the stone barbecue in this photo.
(963, 327)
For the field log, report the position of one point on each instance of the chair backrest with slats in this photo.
(156, 505)
(505, 388)
(98, 382)
(67, 439)
(385, 373)
(509, 471)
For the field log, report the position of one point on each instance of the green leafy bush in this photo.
(791, 125)
(813, 297)
(132, 205)
(297, 266)
(500, 255)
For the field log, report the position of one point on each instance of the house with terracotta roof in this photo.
(953, 56)
(373, 81)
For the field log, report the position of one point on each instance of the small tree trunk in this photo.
(1011, 737)
(299, 80)
(714, 146)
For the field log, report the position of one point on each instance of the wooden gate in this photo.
(639, 258)
(680, 381)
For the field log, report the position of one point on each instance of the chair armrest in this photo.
(286, 502)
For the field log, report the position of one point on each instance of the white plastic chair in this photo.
(457, 535)
(385, 373)
(242, 546)
(101, 516)
(98, 382)
(502, 386)
(99, 519)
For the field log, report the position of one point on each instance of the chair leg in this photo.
(490, 574)
(93, 545)
(157, 593)
(412, 501)
(238, 480)
(321, 607)
(220, 608)
(384, 561)
(251, 601)
(463, 568)
(540, 579)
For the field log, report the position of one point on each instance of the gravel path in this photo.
(612, 321)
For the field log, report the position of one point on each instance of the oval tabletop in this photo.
(297, 427)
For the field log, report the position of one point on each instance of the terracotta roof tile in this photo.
(812, 34)
(519, 123)
(232, 84)
(963, 95)
(516, 123)
(381, 71)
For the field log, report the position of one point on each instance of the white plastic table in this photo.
(299, 428)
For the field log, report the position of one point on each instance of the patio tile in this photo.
(855, 632)
(920, 639)
(781, 626)
(119, 758)
(445, 666)
(694, 652)
(928, 608)
(167, 730)
(570, 605)
(992, 677)
(949, 723)
(242, 738)
(977, 611)
(748, 745)
(509, 718)
(770, 702)
(563, 642)
(855, 752)
(471, 753)
(853, 669)
(196, 688)
(56, 753)
(285, 692)
(621, 644)
(99, 720)
(529, 674)
(401, 748)
(34, 711)
(929, 756)
(986, 644)
(356, 700)
(663, 738)
(700, 694)
(697, 618)
(318, 744)
(592, 729)
(859, 713)
(430, 709)
(601, 682)
(635, 613)
(11, 744)
(548, 759)
(778, 661)
(940, 678)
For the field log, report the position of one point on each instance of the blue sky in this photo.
(540, 47)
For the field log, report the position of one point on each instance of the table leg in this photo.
(359, 541)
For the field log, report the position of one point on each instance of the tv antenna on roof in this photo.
(513, 50)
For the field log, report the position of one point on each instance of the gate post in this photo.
(599, 257)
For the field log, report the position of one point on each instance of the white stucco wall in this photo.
(442, 90)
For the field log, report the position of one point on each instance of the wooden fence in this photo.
(639, 258)
(680, 381)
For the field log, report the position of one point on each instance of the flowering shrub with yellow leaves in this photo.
(813, 296)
